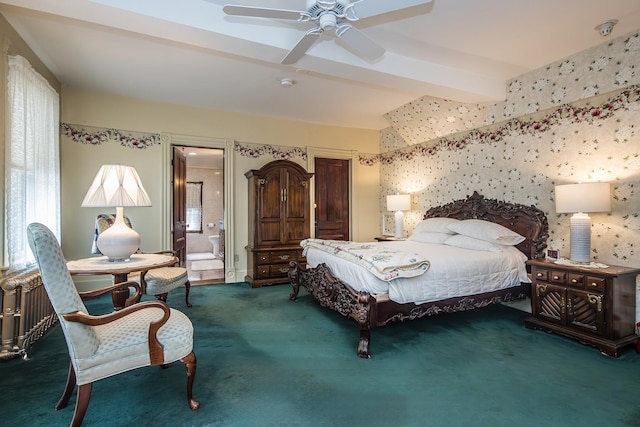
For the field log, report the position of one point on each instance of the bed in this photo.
(371, 305)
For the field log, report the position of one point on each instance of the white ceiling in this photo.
(189, 52)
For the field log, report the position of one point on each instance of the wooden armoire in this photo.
(279, 218)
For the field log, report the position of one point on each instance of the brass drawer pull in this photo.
(593, 284)
(284, 257)
(539, 275)
(556, 277)
(574, 281)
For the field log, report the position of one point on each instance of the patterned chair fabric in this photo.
(159, 281)
(144, 334)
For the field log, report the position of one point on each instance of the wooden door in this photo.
(332, 199)
(179, 204)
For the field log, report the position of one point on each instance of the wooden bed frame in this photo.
(370, 312)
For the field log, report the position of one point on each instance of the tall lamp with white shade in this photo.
(117, 186)
(580, 199)
(399, 203)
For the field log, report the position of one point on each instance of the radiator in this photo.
(26, 312)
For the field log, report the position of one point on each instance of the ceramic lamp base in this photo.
(581, 238)
(119, 241)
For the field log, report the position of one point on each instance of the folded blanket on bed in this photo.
(382, 261)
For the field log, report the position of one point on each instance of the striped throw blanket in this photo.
(382, 261)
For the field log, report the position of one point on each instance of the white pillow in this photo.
(435, 225)
(485, 230)
(429, 237)
(466, 242)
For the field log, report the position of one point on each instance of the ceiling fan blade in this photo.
(359, 42)
(303, 46)
(365, 8)
(262, 12)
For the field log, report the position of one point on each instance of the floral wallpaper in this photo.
(602, 69)
(576, 120)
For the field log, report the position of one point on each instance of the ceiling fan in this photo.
(330, 16)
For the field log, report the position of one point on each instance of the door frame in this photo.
(168, 142)
(331, 153)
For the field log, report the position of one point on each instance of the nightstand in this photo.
(390, 239)
(596, 306)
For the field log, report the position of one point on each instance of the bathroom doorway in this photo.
(205, 207)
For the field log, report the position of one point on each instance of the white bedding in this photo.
(454, 272)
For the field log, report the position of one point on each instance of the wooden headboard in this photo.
(528, 221)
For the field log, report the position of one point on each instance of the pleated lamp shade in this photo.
(117, 186)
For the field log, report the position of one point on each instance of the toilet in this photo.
(215, 241)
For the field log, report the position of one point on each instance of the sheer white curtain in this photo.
(32, 181)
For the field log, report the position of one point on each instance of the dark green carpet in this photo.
(266, 361)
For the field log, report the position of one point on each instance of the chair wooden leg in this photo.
(84, 393)
(187, 289)
(68, 388)
(190, 362)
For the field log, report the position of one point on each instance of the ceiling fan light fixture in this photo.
(328, 21)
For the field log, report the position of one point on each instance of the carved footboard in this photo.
(368, 312)
(336, 295)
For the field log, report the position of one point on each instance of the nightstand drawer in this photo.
(556, 276)
(576, 280)
(595, 283)
(542, 275)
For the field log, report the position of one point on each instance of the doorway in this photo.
(203, 208)
(331, 198)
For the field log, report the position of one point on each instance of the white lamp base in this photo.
(581, 238)
(119, 241)
(399, 217)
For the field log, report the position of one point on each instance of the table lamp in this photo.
(117, 186)
(399, 203)
(580, 199)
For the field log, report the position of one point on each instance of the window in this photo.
(194, 207)
(32, 181)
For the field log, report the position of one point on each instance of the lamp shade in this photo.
(116, 185)
(399, 202)
(586, 197)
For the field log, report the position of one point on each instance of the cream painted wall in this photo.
(80, 162)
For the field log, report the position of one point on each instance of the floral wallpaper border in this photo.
(255, 151)
(97, 136)
(565, 114)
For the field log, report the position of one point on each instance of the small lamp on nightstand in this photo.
(580, 199)
(399, 203)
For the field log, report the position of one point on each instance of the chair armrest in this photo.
(156, 354)
(88, 295)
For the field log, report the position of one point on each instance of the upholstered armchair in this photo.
(142, 334)
(159, 281)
